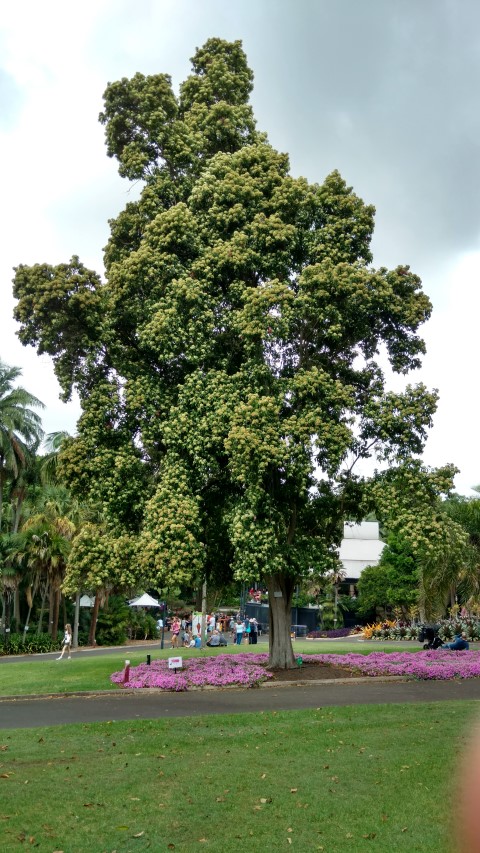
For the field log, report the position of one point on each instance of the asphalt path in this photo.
(152, 705)
(30, 712)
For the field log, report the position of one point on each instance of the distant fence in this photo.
(306, 617)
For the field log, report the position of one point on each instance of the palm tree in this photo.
(20, 427)
(20, 434)
(41, 550)
(53, 444)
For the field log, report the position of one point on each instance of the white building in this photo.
(360, 547)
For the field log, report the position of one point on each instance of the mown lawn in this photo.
(93, 672)
(350, 779)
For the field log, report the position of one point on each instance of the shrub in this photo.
(32, 644)
(335, 632)
(112, 623)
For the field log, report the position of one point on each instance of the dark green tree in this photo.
(228, 368)
(394, 583)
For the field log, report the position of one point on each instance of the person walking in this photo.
(253, 632)
(67, 641)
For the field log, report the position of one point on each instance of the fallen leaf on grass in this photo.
(4, 775)
(138, 834)
(404, 828)
(293, 790)
(265, 799)
(369, 835)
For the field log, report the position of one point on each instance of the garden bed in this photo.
(249, 670)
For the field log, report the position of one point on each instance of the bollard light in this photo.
(149, 660)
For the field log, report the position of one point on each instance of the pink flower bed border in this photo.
(220, 671)
(248, 670)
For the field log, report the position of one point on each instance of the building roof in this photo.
(360, 547)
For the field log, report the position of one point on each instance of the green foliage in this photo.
(141, 626)
(60, 312)
(393, 583)
(112, 623)
(17, 644)
(228, 367)
(408, 501)
(98, 559)
(20, 434)
(373, 590)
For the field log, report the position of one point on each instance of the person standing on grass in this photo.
(67, 641)
(239, 629)
(175, 632)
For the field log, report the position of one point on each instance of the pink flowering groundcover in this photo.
(248, 670)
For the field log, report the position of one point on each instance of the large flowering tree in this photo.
(228, 366)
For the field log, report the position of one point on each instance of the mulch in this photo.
(314, 672)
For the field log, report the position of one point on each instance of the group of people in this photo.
(184, 634)
(242, 628)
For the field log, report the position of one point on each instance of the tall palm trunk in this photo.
(56, 610)
(51, 605)
(16, 605)
(31, 592)
(93, 623)
(42, 608)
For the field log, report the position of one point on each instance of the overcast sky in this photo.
(386, 91)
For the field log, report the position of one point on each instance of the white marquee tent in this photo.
(144, 600)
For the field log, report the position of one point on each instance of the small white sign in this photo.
(278, 593)
(175, 663)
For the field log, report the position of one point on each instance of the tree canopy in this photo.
(229, 366)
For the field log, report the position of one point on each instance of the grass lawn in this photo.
(93, 672)
(341, 780)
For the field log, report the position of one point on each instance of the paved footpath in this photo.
(148, 705)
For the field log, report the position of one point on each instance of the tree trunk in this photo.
(204, 611)
(93, 623)
(31, 592)
(76, 620)
(280, 591)
(51, 607)
(42, 609)
(56, 610)
(16, 606)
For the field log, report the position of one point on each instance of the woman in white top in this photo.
(67, 642)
